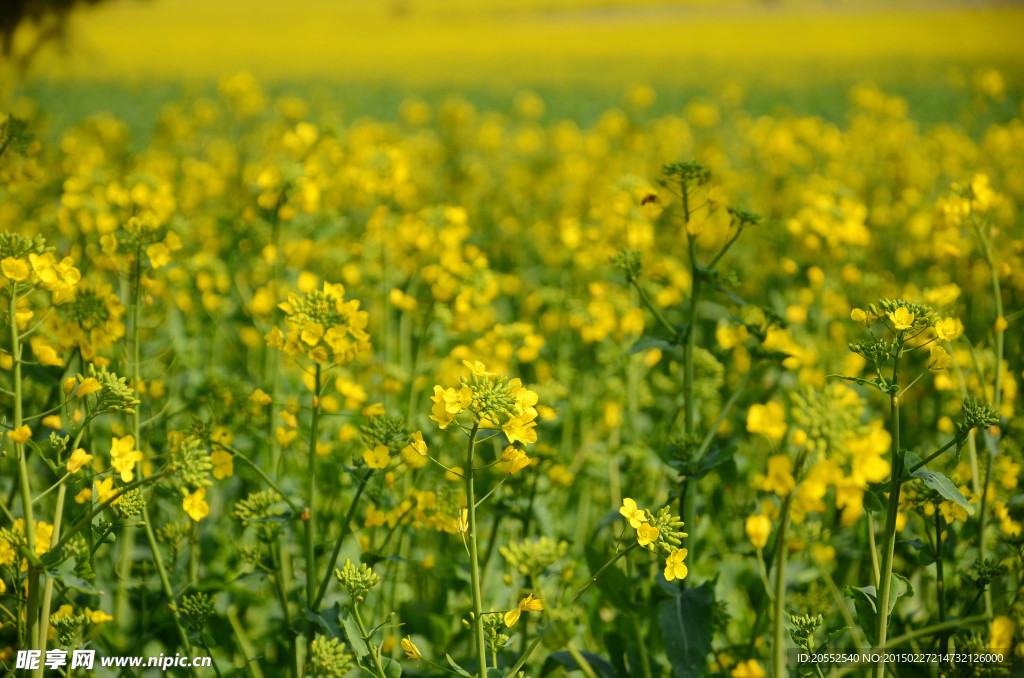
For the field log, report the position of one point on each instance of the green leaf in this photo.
(684, 622)
(881, 384)
(458, 669)
(327, 620)
(613, 582)
(355, 638)
(945, 487)
(865, 599)
(831, 638)
(392, 668)
(598, 663)
(647, 343)
(714, 458)
(864, 602)
(899, 587)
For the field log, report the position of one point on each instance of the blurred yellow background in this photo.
(465, 41)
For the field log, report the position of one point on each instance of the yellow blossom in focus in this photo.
(79, 458)
(411, 651)
(377, 458)
(87, 386)
(902, 318)
(630, 512)
(528, 604)
(647, 533)
(675, 568)
(105, 490)
(123, 457)
(949, 329)
(514, 459)
(14, 269)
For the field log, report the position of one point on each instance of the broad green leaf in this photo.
(458, 669)
(945, 487)
(613, 582)
(647, 343)
(864, 602)
(355, 638)
(686, 629)
(599, 664)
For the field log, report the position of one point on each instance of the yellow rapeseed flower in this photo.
(748, 669)
(779, 478)
(223, 464)
(630, 512)
(14, 269)
(938, 359)
(20, 434)
(260, 397)
(411, 651)
(675, 567)
(79, 458)
(902, 318)
(758, 528)
(195, 506)
(647, 533)
(377, 458)
(529, 604)
(949, 329)
(768, 419)
(123, 457)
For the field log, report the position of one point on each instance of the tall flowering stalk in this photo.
(483, 401)
(907, 326)
(328, 330)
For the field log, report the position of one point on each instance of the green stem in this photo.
(933, 455)
(54, 539)
(23, 478)
(726, 408)
(525, 656)
(645, 660)
(213, 662)
(763, 570)
(779, 602)
(884, 584)
(260, 472)
(656, 312)
(478, 605)
(996, 393)
(282, 598)
(874, 548)
(341, 538)
(244, 644)
(309, 515)
(366, 638)
(939, 582)
(154, 548)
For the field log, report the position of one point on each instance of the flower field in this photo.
(679, 381)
